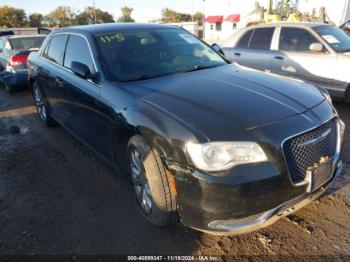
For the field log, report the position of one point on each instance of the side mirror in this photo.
(217, 48)
(347, 26)
(316, 47)
(80, 70)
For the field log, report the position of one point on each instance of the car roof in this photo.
(21, 36)
(290, 24)
(112, 27)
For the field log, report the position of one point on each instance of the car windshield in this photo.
(26, 43)
(138, 55)
(336, 37)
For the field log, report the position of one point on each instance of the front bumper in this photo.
(256, 222)
(249, 197)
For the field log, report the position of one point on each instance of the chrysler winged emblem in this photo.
(316, 139)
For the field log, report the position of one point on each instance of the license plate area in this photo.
(319, 175)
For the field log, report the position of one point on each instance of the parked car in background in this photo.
(346, 27)
(6, 32)
(225, 149)
(313, 52)
(14, 52)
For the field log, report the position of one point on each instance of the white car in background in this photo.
(313, 52)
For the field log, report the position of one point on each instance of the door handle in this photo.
(278, 58)
(237, 54)
(59, 81)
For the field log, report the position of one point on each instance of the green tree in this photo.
(12, 17)
(93, 15)
(126, 15)
(35, 20)
(198, 16)
(172, 16)
(62, 15)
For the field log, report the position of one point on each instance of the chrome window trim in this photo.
(66, 68)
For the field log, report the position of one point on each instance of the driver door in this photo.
(295, 59)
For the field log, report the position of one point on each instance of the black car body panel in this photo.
(198, 96)
(226, 103)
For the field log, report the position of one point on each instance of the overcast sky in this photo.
(144, 10)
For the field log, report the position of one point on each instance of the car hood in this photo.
(227, 97)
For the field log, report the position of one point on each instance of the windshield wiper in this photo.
(139, 78)
(146, 77)
(200, 67)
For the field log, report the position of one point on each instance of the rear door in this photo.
(49, 73)
(254, 49)
(294, 58)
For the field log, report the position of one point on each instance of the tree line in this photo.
(61, 16)
(65, 16)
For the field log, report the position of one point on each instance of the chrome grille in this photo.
(305, 150)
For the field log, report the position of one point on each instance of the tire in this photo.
(42, 106)
(152, 182)
(7, 88)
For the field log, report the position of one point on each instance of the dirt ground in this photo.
(57, 197)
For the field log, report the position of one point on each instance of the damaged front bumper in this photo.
(256, 222)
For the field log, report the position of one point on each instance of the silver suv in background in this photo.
(312, 52)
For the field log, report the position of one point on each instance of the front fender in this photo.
(161, 131)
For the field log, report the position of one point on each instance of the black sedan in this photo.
(222, 148)
(14, 52)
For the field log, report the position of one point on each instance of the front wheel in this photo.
(41, 105)
(154, 189)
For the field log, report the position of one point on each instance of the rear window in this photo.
(261, 38)
(26, 43)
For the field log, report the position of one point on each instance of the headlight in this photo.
(219, 156)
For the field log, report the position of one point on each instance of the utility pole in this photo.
(192, 11)
(203, 25)
(94, 6)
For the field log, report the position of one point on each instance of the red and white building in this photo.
(223, 17)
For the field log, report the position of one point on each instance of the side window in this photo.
(296, 39)
(46, 50)
(262, 38)
(56, 49)
(78, 50)
(244, 41)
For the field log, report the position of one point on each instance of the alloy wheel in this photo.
(39, 102)
(140, 182)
